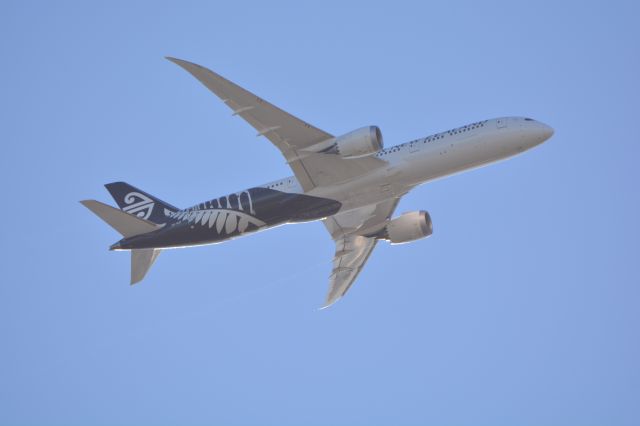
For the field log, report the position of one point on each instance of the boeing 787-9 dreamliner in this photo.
(349, 182)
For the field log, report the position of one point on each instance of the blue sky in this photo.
(522, 308)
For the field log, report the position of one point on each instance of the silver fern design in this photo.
(138, 204)
(225, 221)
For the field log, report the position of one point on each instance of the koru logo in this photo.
(138, 204)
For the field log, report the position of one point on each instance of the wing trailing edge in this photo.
(352, 252)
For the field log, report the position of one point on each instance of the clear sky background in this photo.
(522, 308)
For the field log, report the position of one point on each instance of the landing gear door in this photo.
(501, 123)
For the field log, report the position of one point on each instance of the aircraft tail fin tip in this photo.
(139, 203)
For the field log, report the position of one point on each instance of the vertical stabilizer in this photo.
(139, 203)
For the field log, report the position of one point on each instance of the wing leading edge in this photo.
(297, 140)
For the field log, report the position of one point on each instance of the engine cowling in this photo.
(408, 227)
(364, 141)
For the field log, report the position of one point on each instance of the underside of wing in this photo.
(330, 169)
(287, 132)
(351, 231)
(367, 220)
(283, 129)
(298, 140)
(352, 252)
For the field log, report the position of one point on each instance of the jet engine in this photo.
(408, 227)
(364, 141)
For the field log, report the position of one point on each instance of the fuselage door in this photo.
(501, 123)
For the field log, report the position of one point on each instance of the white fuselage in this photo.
(436, 156)
(402, 168)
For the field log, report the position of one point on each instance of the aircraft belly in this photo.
(371, 189)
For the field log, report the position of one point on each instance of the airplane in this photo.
(350, 182)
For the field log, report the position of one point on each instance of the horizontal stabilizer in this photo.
(126, 224)
(141, 261)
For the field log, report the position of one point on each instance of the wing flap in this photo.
(330, 169)
(352, 252)
(366, 220)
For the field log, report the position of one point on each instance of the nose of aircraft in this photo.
(545, 131)
(537, 132)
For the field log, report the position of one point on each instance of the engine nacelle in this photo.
(364, 141)
(408, 227)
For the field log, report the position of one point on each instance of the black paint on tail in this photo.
(138, 203)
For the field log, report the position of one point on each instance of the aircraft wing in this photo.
(289, 134)
(353, 247)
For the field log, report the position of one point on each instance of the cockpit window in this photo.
(528, 119)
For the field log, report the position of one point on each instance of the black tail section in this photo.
(138, 203)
